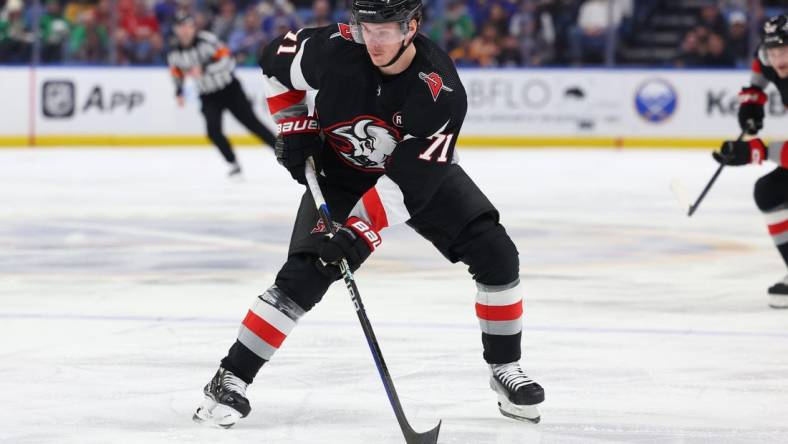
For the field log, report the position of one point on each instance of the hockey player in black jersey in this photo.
(771, 191)
(388, 110)
(202, 56)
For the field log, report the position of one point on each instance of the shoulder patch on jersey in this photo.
(344, 32)
(435, 84)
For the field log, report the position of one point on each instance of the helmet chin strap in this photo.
(401, 50)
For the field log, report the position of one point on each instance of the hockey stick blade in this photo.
(411, 436)
(680, 193)
(428, 437)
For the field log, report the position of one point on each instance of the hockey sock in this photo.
(266, 325)
(777, 220)
(500, 312)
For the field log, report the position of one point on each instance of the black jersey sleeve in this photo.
(292, 65)
(432, 117)
(177, 75)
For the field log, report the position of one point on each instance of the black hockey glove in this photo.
(354, 241)
(741, 153)
(299, 138)
(751, 101)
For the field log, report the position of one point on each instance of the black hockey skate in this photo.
(518, 395)
(225, 401)
(778, 294)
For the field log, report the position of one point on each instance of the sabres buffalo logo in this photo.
(365, 143)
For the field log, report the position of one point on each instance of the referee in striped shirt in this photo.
(202, 56)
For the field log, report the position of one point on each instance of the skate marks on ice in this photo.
(121, 288)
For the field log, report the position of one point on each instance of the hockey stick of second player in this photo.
(694, 207)
(411, 436)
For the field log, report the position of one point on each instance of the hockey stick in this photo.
(411, 436)
(694, 207)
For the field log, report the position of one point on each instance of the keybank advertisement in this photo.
(521, 105)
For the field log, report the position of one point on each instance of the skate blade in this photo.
(778, 301)
(212, 414)
(527, 413)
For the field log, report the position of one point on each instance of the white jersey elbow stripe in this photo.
(296, 74)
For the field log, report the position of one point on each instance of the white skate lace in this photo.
(233, 383)
(511, 375)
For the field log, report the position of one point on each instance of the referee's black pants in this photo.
(232, 98)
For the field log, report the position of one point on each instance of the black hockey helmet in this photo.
(383, 11)
(775, 31)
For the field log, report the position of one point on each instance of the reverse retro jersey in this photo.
(763, 73)
(390, 139)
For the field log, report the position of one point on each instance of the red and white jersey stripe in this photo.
(382, 205)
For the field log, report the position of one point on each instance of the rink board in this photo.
(68, 106)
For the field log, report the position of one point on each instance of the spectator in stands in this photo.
(563, 16)
(535, 43)
(15, 36)
(718, 54)
(702, 47)
(595, 20)
(245, 43)
(89, 42)
(321, 14)
(282, 19)
(485, 48)
(226, 21)
(739, 39)
(711, 19)
(54, 33)
(454, 28)
(509, 54)
(462, 55)
(138, 39)
(499, 18)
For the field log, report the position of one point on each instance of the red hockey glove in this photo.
(751, 101)
(741, 153)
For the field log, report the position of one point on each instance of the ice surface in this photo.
(124, 274)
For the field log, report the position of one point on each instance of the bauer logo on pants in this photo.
(58, 99)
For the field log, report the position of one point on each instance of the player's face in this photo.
(185, 32)
(778, 58)
(383, 40)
